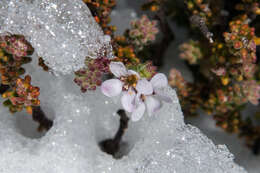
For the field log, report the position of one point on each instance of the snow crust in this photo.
(63, 32)
(158, 144)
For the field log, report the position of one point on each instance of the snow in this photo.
(62, 32)
(162, 143)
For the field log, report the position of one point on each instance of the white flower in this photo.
(114, 87)
(148, 97)
(138, 94)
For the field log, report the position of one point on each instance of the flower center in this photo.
(132, 80)
(129, 81)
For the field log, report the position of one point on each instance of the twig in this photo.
(168, 37)
(112, 146)
(39, 116)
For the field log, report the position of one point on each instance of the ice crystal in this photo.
(63, 32)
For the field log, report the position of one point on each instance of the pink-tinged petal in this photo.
(118, 69)
(138, 112)
(112, 87)
(152, 105)
(133, 72)
(144, 87)
(138, 99)
(159, 80)
(162, 96)
(127, 101)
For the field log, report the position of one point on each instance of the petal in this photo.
(137, 100)
(133, 72)
(144, 87)
(162, 96)
(159, 80)
(118, 69)
(152, 105)
(138, 112)
(127, 101)
(112, 87)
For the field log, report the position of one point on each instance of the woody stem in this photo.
(112, 146)
(39, 116)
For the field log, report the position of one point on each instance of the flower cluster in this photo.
(153, 5)
(13, 54)
(20, 94)
(200, 7)
(177, 81)
(221, 71)
(251, 90)
(143, 31)
(242, 46)
(124, 52)
(229, 121)
(24, 95)
(101, 10)
(191, 52)
(189, 97)
(138, 94)
(224, 100)
(16, 45)
(90, 77)
(249, 6)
